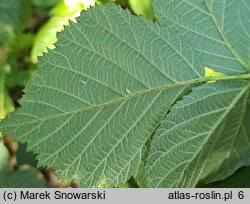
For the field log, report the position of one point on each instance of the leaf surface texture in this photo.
(114, 79)
(99, 96)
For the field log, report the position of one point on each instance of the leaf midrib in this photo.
(209, 135)
(112, 102)
(243, 112)
(217, 125)
(113, 148)
(224, 38)
(137, 94)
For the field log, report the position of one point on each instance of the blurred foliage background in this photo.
(27, 29)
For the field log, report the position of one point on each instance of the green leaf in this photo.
(215, 40)
(6, 35)
(6, 104)
(218, 30)
(46, 36)
(100, 94)
(232, 148)
(17, 77)
(25, 157)
(9, 11)
(61, 14)
(15, 12)
(142, 7)
(238, 180)
(45, 3)
(201, 132)
(4, 155)
(24, 177)
(2, 95)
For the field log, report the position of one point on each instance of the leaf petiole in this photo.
(225, 77)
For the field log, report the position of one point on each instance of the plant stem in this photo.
(228, 77)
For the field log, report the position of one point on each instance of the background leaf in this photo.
(25, 177)
(60, 16)
(232, 146)
(25, 157)
(198, 135)
(9, 11)
(15, 12)
(218, 30)
(238, 180)
(45, 3)
(142, 8)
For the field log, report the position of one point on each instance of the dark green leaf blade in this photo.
(99, 96)
(15, 12)
(24, 177)
(219, 30)
(187, 136)
(238, 180)
(232, 147)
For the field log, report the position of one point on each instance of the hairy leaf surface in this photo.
(204, 124)
(239, 180)
(112, 79)
(232, 144)
(218, 30)
(100, 95)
